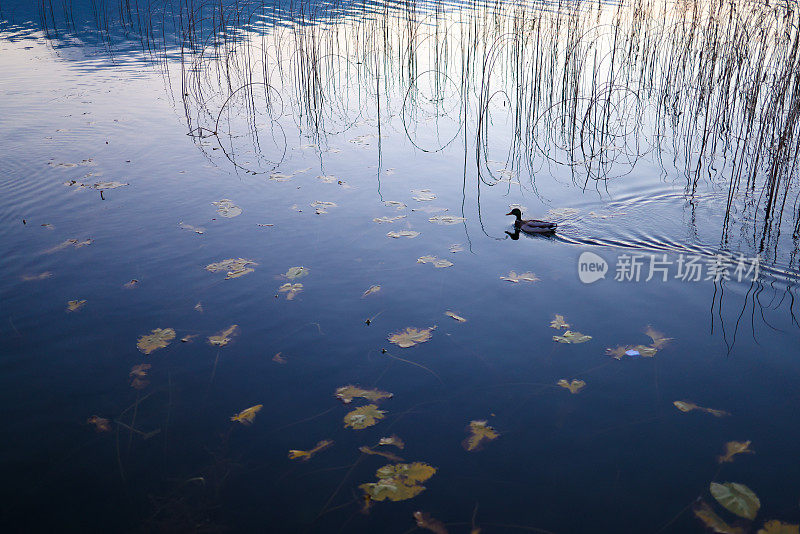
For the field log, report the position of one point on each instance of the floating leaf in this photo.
(392, 440)
(427, 522)
(659, 341)
(423, 195)
(235, 267)
(371, 290)
(248, 415)
(388, 219)
(322, 206)
(394, 204)
(199, 307)
(403, 233)
(101, 424)
(224, 337)
(196, 229)
(438, 263)
(291, 290)
(456, 317)
(132, 284)
(516, 278)
(40, 276)
(779, 527)
(480, 432)
(572, 337)
(733, 448)
(686, 406)
(226, 208)
(411, 336)
(736, 498)
(346, 394)
(306, 455)
(456, 247)
(75, 305)
(574, 387)
(559, 322)
(297, 272)
(446, 219)
(109, 185)
(387, 455)
(618, 352)
(712, 521)
(399, 482)
(363, 417)
(157, 339)
(279, 359)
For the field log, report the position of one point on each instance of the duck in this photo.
(531, 226)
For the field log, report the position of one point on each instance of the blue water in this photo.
(615, 457)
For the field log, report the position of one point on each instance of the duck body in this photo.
(532, 226)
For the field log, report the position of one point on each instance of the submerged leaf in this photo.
(516, 278)
(40, 276)
(226, 208)
(69, 243)
(572, 337)
(387, 455)
(686, 406)
(371, 290)
(559, 322)
(109, 185)
(224, 337)
(321, 206)
(456, 247)
(712, 521)
(574, 387)
(392, 440)
(411, 336)
(248, 415)
(480, 432)
(297, 272)
(101, 424)
(659, 341)
(346, 394)
(456, 317)
(279, 359)
(196, 229)
(140, 370)
(363, 417)
(736, 498)
(438, 263)
(424, 520)
(399, 482)
(733, 448)
(306, 455)
(394, 204)
(75, 305)
(403, 233)
(132, 284)
(157, 339)
(779, 527)
(291, 290)
(446, 219)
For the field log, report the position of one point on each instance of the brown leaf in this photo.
(424, 520)
(480, 432)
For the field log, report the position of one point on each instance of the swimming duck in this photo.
(531, 226)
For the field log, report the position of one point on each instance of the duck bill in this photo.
(509, 213)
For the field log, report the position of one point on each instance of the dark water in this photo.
(646, 129)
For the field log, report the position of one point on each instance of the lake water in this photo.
(145, 141)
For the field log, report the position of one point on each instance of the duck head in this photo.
(516, 213)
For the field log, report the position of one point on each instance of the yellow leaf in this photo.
(559, 322)
(156, 339)
(456, 317)
(572, 337)
(736, 498)
(248, 415)
(346, 394)
(363, 417)
(75, 305)
(411, 336)
(733, 448)
(306, 455)
(779, 527)
(574, 387)
(480, 432)
(224, 337)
